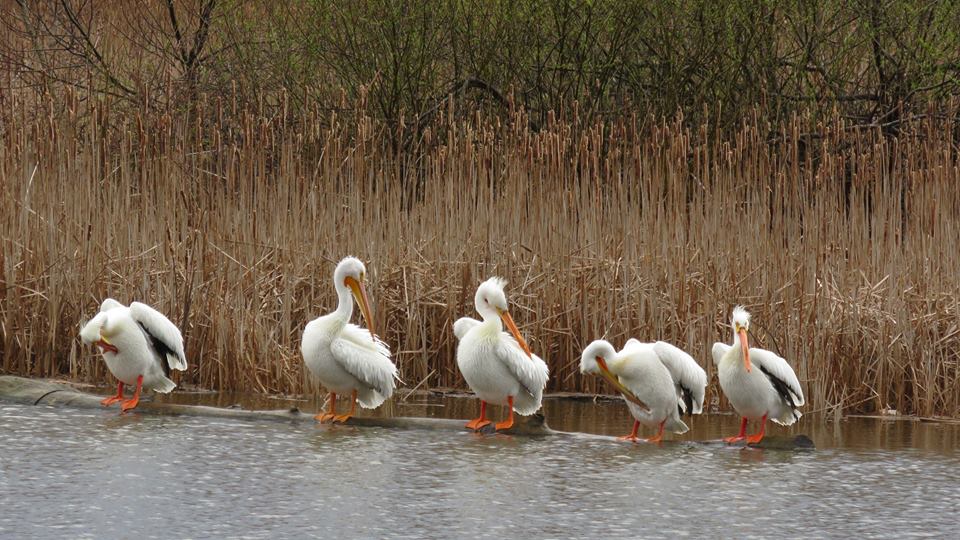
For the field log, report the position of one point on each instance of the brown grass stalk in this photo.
(840, 239)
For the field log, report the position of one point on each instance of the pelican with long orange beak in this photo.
(140, 346)
(499, 367)
(658, 381)
(345, 358)
(759, 384)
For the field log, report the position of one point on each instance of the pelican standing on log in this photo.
(759, 384)
(658, 381)
(345, 358)
(139, 345)
(499, 367)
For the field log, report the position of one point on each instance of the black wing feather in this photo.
(781, 387)
(687, 396)
(162, 349)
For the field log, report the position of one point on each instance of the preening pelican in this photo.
(345, 358)
(499, 367)
(658, 381)
(139, 345)
(759, 384)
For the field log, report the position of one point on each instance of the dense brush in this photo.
(841, 240)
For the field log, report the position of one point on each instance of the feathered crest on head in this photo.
(497, 282)
(349, 263)
(741, 315)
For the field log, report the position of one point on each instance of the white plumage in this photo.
(660, 376)
(758, 383)
(463, 325)
(345, 358)
(365, 361)
(688, 377)
(498, 366)
(163, 330)
(139, 345)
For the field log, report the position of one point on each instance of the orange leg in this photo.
(656, 438)
(633, 434)
(132, 402)
(331, 409)
(508, 423)
(479, 423)
(742, 435)
(753, 439)
(113, 399)
(353, 409)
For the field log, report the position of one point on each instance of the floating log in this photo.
(59, 394)
(52, 393)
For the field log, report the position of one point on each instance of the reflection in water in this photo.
(94, 474)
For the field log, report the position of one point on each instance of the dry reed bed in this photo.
(840, 240)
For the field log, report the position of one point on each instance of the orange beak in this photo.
(508, 320)
(361, 295)
(617, 384)
(106, 345)
(744, 347)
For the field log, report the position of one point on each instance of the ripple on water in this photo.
(96, 474)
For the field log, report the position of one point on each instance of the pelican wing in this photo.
(163, 334)
(368, 360)
(109, 304)
(687, 375)
(464, 325)
(530, 371)
(719, 351)
(781, 375)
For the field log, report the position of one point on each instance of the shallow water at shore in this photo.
(82, 473)
(610, 417)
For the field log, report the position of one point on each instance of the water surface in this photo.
(610, 417)
(95, 474)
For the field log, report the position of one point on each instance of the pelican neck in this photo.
(491, 319)
(344, 302)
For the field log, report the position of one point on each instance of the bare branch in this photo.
(171, 10)
(100, 63)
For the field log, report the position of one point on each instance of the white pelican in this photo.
(139, 345)
(759, 384)
(345, 358)
(498, 367)
(658, 381)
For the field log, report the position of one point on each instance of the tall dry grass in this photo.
(840, 239)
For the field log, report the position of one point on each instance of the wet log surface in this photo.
(58, 394)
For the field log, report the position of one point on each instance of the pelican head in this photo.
(348, 278)
(490, 299)
(491, 303)
(103, 326)
(740, 321)
(598, 353)
(595, 360)
(111, 326)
